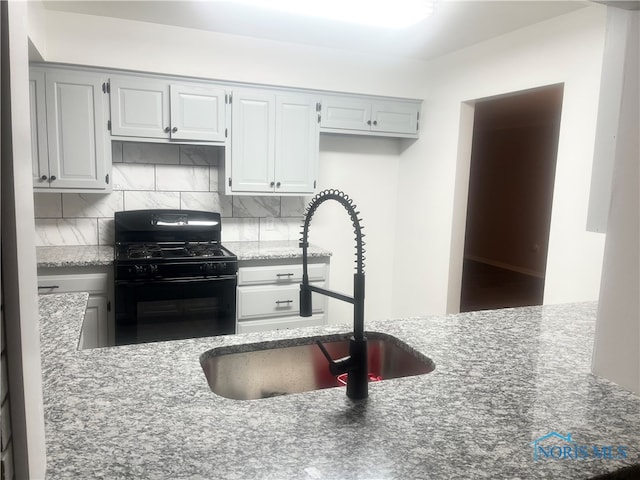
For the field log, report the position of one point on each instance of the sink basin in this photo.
(269, 369)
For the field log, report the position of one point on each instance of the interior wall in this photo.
(18, 259)
(616, 350)
(91, 40)
(434, 177)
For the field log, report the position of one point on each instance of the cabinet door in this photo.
(197, 113)
(297, 137)
(77, 114)
(38, 112)
(346, 113)
(94, 327)
(252, 142)
(394, 117)
(140, 108)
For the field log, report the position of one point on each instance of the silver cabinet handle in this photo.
(43, 177)
(52, 178)
(280, 302)
(279, 275)
(43, 287)
(167, 129)
(174, 129)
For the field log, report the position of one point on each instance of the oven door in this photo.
(173, 309)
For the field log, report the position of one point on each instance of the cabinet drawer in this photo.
(274, 301)
(250, 326)
(280, 274)
(91, 283)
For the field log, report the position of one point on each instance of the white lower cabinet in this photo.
(97, 330)
(269, 296)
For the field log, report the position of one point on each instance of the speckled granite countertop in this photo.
(94, 255)
(74, 256)
(503, 379)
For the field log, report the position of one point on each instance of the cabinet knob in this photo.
(278, 185)
(368, 122)
(53, 177)
(174, 129)
(272, 184)
(375, 122)
(167, 129)
(43, 177)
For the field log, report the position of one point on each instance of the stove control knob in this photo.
(207, 268)
(152, 269)
(137, 270)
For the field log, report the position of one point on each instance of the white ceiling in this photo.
(455, 24)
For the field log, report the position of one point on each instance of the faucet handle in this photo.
(336, 367)
(306, 310)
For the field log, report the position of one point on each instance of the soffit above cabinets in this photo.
(454, 24)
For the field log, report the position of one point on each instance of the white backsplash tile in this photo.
(280, 228)
(157, 175)
(66, 231)
(245, 206)
(182, 178)
(199, 155)
(145, 200)
(240, 230)
(213, 179)
(105, 231)
(157, 153)
(294, 206)
(130, 176)
(47, 205)
(91, 204)
(208, 201)
(116, 151)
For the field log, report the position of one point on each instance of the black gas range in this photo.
(173, 277)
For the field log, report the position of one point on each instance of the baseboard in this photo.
(506, 266)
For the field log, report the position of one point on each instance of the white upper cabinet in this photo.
(69, 118)
(197, 113)
(252, 143)
(139, 107)
(155, 108)
(367, 116)
(274, 143)
(297, 143)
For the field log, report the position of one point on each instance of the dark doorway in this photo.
(512, 171)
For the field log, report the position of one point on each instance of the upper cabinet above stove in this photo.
(158, 109)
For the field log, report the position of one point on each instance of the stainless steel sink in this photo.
(269, 369)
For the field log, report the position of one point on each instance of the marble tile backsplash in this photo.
(150, 175)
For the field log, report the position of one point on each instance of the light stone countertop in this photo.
(94, 255)
(503, 378)
(74, 256)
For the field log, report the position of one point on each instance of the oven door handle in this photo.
(157, 281)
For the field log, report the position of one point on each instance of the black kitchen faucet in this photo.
(356, 364)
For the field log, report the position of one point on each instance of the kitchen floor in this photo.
(487, 287)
